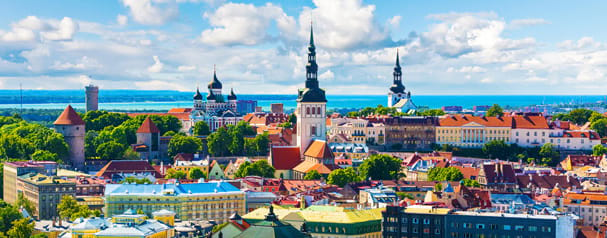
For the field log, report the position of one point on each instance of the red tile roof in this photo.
(285, 157)
(69, 117)
(148, 127)
(547, 181)
(180, 110)
(468, 172)
(499, 173)
(460, 120)
(530, 122)
(582, 134)
(127, 166)
(319, 149)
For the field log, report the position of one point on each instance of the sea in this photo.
(132, 100)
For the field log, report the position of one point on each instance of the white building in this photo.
(397, 97)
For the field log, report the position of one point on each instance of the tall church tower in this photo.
(397, 90)
(311, 104)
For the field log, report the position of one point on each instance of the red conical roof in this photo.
(148, 127)
(69, 117)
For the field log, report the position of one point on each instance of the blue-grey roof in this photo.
(169, 189)
(497, 198)
(348, 148)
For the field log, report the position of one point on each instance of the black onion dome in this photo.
(215, 84)
(232, 96)
(197, 96)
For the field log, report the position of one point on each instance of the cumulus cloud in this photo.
(185, 68)
(157, 66)
(152, 12)
(122, 19)
(467, 69)
(328, 75)
(519, 23)
(246, 24)
(33, 28)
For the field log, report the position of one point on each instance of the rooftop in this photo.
(170, 189)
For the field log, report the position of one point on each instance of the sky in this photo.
(446, 47)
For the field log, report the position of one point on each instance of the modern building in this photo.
(71, 126)
(397, 97)
(429, 221)
(12, 171)
(209, 201)
(245, 106)
(45, 192)
(411, 133)
(91, 97)
(215, 110)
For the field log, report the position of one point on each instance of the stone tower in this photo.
(311, 104)
(149, 135)
(92, 98)
(71, 126)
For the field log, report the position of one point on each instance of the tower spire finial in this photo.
(311, 31)
(397, 59)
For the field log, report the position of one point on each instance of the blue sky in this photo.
(446, 47)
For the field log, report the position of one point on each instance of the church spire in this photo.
(312, 93)
(397, 83)
(311, 35)
(397, 59)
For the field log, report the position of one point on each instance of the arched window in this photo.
(307, 110)
(319, 111)
(313, 111)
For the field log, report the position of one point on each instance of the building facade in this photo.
(45, 192)
(12, 171)
(92, 97)
(472, 131)
(410, 132)
(209, 201)
(356, 130)
(148, 140)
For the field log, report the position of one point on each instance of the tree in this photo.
(133, 180)
(445, 174)
(21, 228)
(140, 211)
(69, 208)
(286, 124)
(497, 149)
(438, 187)
(130, 154)
(341, 177)
(578, 116)
(293, 119)
(600, 126)
(1, 181)
(8, 214)
(550, 156)
(175, 174)
(380, 167)
(45, 155)
(403, 195)
(431, 112)
(26, 204)
(258, 168)
(218, 142)
(184, 144)
(16, 147)
(495, 110)
(43, 235)
(262, 143)
(90, 143)
(196, 173)
(111, 150)
(599, 150)
(471, 183)
(201, 128)
(312, 175)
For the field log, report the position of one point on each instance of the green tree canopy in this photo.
(184, 144)
(98, 120)
(133, 180)
(69, 208)
(8, 214)
(341, 177)
(201, 128)
(599, 150)
(578, 116)
(495, 110)
(600, 126)
(111, 150)
(380, 167)
(312, 175)
(497, 149)
(175, 174)
(549, 154)
(471, 183)
(258, 168)
(431, 112)
(218, 142)
(445, 174)
(45, 155)
(21, 228)
(26, 204)
(196, 173)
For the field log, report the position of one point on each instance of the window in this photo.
(507, 227)
(532, 228)
(519, 228)
(426, 221)
(415, 221)
(480, 226)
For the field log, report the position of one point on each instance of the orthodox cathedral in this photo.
(397, 97)
(215, 110)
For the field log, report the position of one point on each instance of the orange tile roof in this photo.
(148, 127)
(180, 110)
(582, 134)
(468, 172)
(319, 149)
(69, 117)
(584, 198)
(460, 120)
(530, 122)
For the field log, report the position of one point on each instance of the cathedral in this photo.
(397, 97)
(215, 110)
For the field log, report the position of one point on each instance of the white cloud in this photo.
(467, 69)
(328, 75)
(487, 80)
(122, 19)
(82, 64)
(152, 12)
(395, 21)
(33, 29)
(246, 24)
(590, 74)
(157, 66)
(519, 23)
(63, 30)
(185, 68)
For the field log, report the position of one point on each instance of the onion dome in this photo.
(197, 96)
(211, 96)
(232, 96)
(215, 84)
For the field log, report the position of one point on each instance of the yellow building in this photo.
(472, 131)
(207, 201)
(327, 221)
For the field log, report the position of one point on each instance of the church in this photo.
(312, 145)
(215, 110)
(397, 97)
